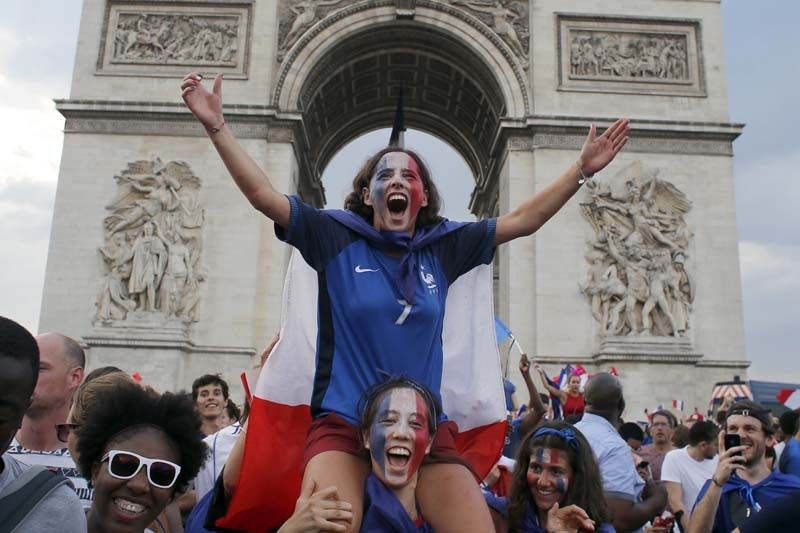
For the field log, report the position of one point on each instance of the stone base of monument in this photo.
(162, 350)
(646, 348)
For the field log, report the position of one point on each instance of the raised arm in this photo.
(558, 393)
(530, 215)
(536, 409)
(251, 180)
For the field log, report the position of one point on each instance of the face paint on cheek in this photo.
(415, 186)
(532, 478)
(377, 436)
(561, 485)
(421, 436)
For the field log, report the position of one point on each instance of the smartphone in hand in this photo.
(732, 440)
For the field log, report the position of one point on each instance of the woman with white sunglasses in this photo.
(139, 449)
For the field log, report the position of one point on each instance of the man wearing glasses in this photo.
(662, 424)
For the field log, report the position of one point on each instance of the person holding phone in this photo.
(742, 484)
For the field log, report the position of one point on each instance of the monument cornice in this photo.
(168, 118)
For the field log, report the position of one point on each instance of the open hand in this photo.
(570, 519)
(597, 152)
(206, 106)
(318, 511)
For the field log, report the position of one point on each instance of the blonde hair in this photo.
(86, 394)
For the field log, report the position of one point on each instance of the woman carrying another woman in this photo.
(384, 266)
(556, 486)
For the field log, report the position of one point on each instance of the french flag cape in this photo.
(472, 395)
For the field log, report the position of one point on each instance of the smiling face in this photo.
(752, 435)
(210, 401)
(396, 192)
(128, 505)
(549, 475)
(398, 437)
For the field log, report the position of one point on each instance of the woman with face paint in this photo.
(385, 264)
(556, 486)
(398, 424)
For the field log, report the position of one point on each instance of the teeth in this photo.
(397, 197)
(129, 506)
(398, 451)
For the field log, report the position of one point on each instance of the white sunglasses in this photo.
(125, 465)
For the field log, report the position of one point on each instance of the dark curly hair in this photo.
(585, 490)
(128, 409)
(428, 215)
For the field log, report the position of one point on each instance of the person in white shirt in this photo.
(686, 470)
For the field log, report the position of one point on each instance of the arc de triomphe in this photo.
(158, 264)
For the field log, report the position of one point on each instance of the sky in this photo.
(38, 39)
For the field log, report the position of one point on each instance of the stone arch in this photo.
(462, 83)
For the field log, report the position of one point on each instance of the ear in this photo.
(365, 197)
(76, 377)
(429, 446)
(424, 198)
(365, 438)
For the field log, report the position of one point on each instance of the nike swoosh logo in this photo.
(360, 270)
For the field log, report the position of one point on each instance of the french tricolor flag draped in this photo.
(472, 395)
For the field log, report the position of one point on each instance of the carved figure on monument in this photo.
(113, 302)
(149, 263)
(176, 38)
(628, 55)
(154, 244)
(509, 20)
(636, 281)
(306, 14)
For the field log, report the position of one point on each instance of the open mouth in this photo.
(398, 456)
(397, 203)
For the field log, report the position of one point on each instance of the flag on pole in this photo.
(471, 390)
(501, 331)
(789, 398)
(677, 404)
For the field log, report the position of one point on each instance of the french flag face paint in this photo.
(549, 474)
(399, 437)
(396, 192)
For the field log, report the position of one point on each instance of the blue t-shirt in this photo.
(770, 489)
(365, 330)
(790, 458)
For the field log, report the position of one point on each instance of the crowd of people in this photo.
(102, 452)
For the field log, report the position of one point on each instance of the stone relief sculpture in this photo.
(624, 55)
(153, 244)
(637, 283)
(296, 17)
(508, 19)
(176, 38)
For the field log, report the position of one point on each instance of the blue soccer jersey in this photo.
(366, 329)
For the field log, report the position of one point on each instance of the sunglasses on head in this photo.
(63, 430)
(125, 465)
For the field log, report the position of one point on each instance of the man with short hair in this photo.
(36, 443)
(210, 395)
(687, 469)
(662, 424)
(742, 483)
(631, 501)
(56, 508)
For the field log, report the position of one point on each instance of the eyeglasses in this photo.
(63, 431)
(125, 465)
